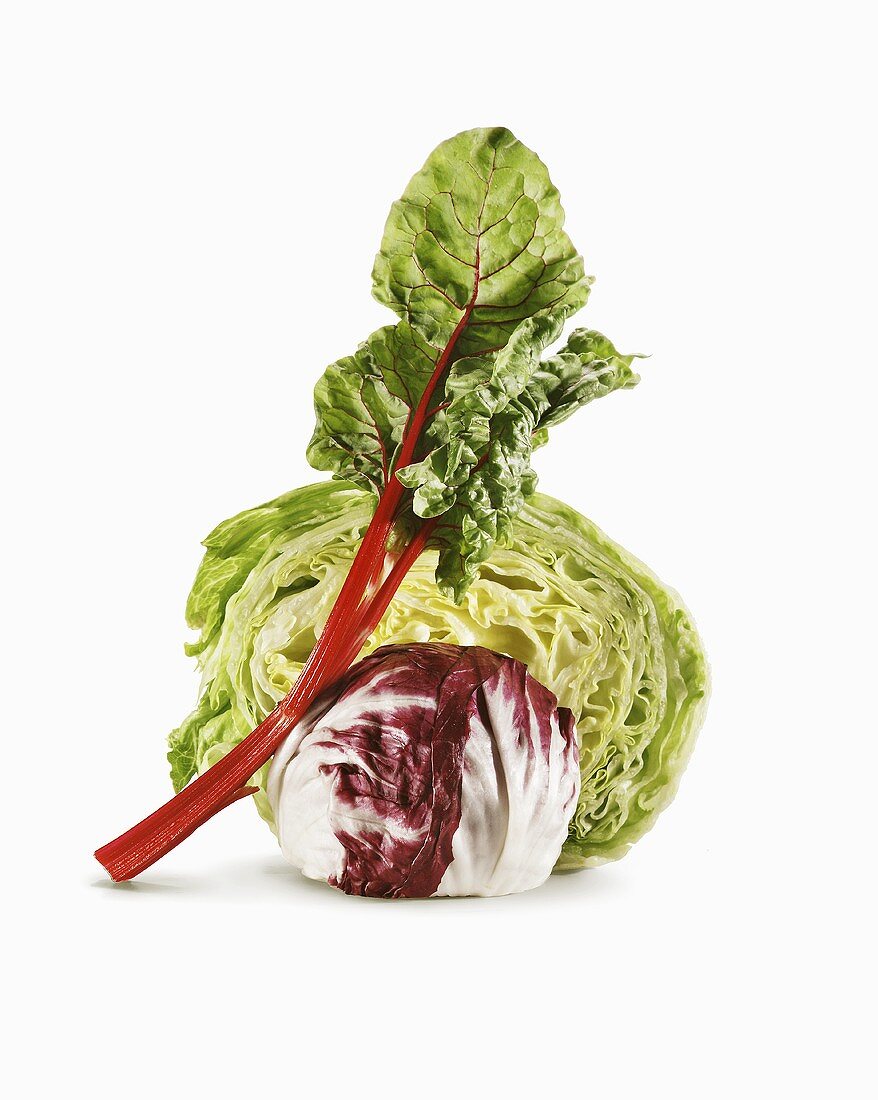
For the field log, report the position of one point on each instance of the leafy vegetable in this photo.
(590, 622)
(428, 770)
(436, 417)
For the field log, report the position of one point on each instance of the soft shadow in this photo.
(137, 887)
(240, 881)
(245, 881)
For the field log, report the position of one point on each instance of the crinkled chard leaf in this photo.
(588, 367)
(477, 473)
(476, 263)
(364, 403)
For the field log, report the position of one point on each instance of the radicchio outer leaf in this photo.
(428, 769)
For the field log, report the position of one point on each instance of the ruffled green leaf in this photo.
(363, 403)
(477, 474)
(587, 368)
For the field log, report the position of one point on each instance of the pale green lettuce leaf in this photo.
(589, 621)
(287, 546)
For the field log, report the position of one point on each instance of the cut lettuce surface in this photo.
(590, 622)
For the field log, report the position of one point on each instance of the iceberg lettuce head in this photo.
(590, 622)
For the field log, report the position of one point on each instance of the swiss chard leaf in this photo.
(477, 240)
(453, 399)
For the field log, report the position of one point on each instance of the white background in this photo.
(192, 196)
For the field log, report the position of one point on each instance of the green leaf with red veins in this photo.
(452, 400)
(363, 404)
(477, 241)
